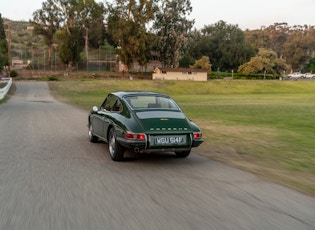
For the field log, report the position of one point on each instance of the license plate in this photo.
(170, 140)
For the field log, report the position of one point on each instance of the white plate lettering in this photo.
(173, 140)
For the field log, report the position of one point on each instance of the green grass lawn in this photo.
(265, 127)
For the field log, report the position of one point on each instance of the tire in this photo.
(182, 154)
(92, 137)
(116, 151)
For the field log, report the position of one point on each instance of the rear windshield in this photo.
(151, 102)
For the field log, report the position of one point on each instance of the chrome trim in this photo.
(148, 141)
(164, 150)
(191, 139)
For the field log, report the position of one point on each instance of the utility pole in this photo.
(9, 49)
(87, 48)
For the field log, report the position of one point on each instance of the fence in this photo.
(5, 89)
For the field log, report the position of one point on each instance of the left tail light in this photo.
(135, 136)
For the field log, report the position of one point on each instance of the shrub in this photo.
(13, 73)
(53, 78)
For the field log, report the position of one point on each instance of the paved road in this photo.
(51, 177)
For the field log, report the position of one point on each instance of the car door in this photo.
(97, 121)
(105, 113)
(100, 117)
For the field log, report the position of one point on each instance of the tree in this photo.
(186, 61)
(296, 48)
(4, 61)
(257, 38)
(70, 18)
(278, 35)
(266, 61)
(224, 44)
(91, 17)
(71, 44)
(311, 35)
(172, 28)
(126, 29)
(295, 44)
(310, 67)
(46, 22)
(202, 63)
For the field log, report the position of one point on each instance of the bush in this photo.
(53, 78)
(13, 73)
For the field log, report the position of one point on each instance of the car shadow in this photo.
(154, 157)
(131, 156)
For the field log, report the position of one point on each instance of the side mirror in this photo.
(95, 109)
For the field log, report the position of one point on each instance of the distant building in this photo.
(181, 74)
(136, 67)
(17, 63)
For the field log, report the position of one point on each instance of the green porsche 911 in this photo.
(143, 122)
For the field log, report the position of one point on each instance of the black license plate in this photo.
(170, 140)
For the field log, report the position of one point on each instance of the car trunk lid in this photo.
(154, 122)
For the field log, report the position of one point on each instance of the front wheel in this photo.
(182, 154)
(116, 151)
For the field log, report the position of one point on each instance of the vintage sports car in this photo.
(143, 122)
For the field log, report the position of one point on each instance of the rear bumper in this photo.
(144, 146)
(163, 150)
(196, 142)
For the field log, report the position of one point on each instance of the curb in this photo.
(4, 90)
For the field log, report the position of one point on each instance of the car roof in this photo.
(137, 93)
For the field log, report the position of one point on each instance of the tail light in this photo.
(197, 135)
(135, 136)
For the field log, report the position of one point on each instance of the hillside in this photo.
(29, 48)
(24, 43)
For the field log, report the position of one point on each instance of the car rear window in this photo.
(151, 102)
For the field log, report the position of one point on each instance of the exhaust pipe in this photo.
(136, 150)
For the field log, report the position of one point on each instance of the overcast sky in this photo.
(247, 14)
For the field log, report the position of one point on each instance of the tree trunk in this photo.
(49, 56)
(69, 70)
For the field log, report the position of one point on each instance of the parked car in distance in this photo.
(309, 75)
(296, 75)
(143, 122)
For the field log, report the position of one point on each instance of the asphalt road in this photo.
(52, 177)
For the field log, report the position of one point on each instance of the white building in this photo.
(180, 74)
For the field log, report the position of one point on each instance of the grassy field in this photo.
(265, 127)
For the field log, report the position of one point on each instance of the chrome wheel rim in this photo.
(90, 132)
(112, 144)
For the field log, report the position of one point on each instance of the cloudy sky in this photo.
(247, 14)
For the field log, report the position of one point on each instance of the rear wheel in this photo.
(116, 151)
(92, 137)
(182, 154)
